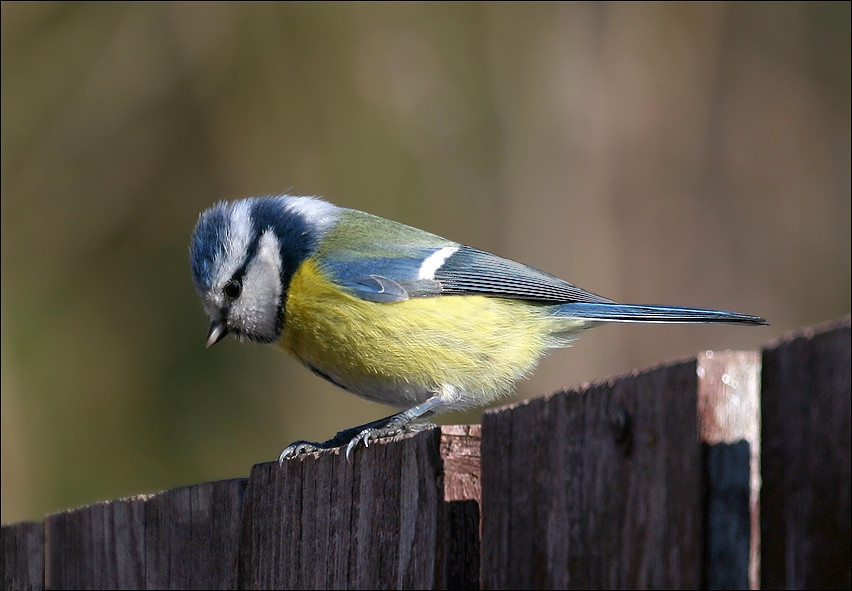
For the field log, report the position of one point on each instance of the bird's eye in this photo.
(233, 289)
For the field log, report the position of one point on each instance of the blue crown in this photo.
(208, 243)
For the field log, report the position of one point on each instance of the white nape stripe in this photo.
(318, 213)
(434, 261)
(236, 241)
(240, 227)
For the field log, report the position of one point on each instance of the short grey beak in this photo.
(217, 332)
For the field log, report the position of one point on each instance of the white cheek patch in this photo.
(255, 311)
(433, 262)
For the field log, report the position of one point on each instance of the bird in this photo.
(388, 312)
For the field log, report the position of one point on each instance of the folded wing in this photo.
(409, 272)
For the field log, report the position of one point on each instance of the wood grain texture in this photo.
(596, 487)
(805, 499)
(320, 522)
(183, 538)
(22, 546)
(100, 546)
(462, 462)
(192, 536)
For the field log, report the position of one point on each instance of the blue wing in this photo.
(383, 261)
(472, 271)
(453, 269)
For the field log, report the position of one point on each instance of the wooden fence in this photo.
(727, 470)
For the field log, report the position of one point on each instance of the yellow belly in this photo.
(397, 353)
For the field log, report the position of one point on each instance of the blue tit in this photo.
(388, 312)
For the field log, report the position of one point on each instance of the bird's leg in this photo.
(400, 422)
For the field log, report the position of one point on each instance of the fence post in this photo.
(650, 480)
(182, 538)
(805, 500)
(192, 536)
(385, 520)
(596, 487)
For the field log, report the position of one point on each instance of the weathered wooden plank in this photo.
(805, 500)
(178, 539)
(379, 522)
(100, 546)
(462, 545)
(192, 536)
(22, 546)
(596, 487)
(729, 425)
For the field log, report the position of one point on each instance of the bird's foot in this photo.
(367, 433)
(298, 448)
(352, 438)
(401, 422)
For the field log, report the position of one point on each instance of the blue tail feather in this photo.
(651, 314)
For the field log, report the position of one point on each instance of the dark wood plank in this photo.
(729, 425)
(403, 514)
(462, 545)
(805, 500)
(727, 517)
(22, 545)
(728, 520)
(596, 487)
(100, 546)
(321, 522)
(185, 538)
(192, 536)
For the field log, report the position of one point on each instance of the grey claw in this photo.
(286, 455)
(362, 437)
(352, 445)
(296, 449)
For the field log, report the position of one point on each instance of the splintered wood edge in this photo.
(460, 450)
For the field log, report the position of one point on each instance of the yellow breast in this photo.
(475, 343)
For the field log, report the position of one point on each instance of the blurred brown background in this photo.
(693, 154)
